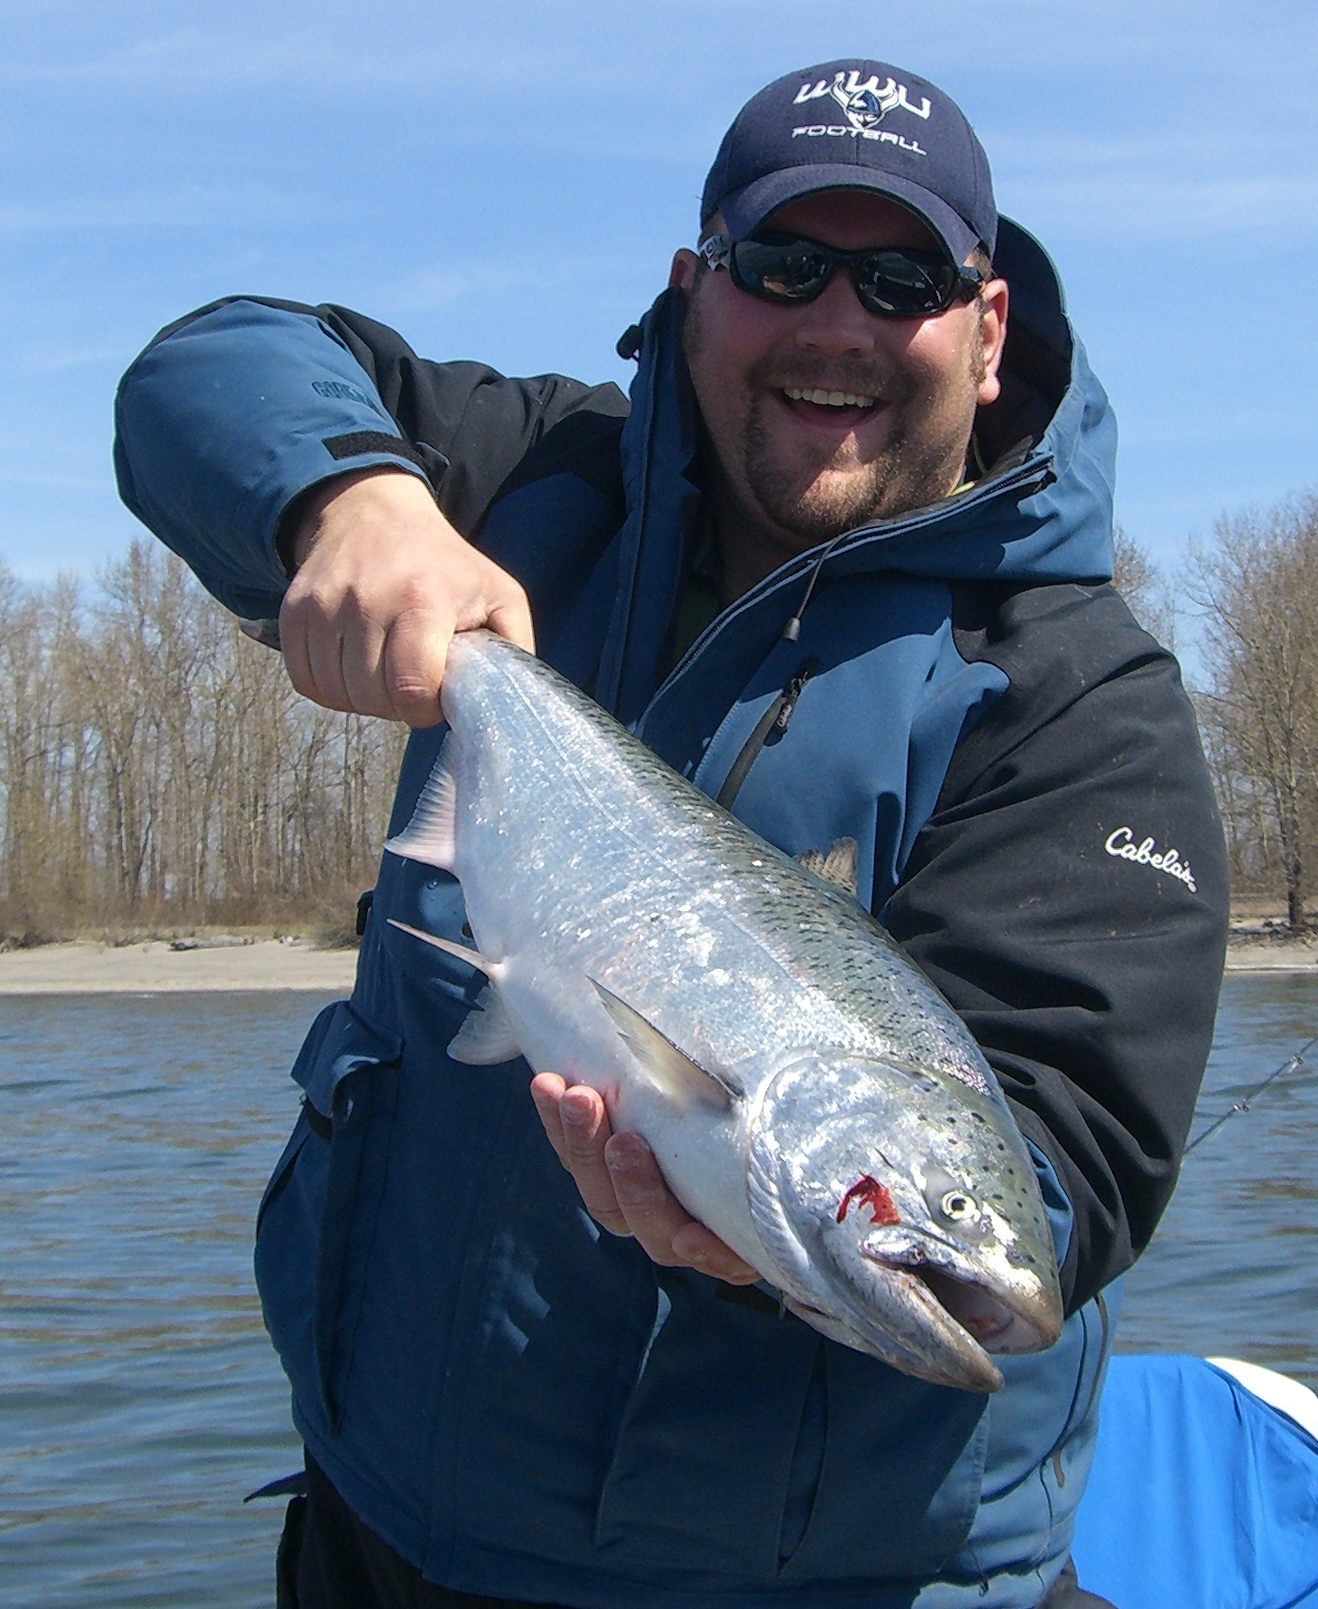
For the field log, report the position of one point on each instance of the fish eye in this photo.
(958, 1206)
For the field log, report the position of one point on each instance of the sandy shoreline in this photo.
(156, 968)
(1271, 955)
(270, 964)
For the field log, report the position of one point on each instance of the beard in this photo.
(820, 500)
(798, 503)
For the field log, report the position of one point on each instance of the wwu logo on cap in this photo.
(864, 105)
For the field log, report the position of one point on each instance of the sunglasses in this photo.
(892, 281)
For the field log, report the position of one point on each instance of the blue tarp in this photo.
(1201, 1496)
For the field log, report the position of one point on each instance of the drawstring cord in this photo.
(792, 630)
(775, 718)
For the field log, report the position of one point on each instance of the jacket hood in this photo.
(1043, 512)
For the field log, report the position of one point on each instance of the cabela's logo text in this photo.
(1122, 844)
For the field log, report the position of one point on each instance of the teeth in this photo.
(829, 399)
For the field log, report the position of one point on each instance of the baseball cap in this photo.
(856, 125)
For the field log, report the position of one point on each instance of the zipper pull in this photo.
(793, 691)
(774, 719)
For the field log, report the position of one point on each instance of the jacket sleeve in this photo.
(1069, 897)
(235, 412)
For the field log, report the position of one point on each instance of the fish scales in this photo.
(655, 840)
(781, 1056)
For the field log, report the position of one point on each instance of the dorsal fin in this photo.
(671, 1068)
(838, 866)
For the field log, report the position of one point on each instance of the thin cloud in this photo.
(431, 290)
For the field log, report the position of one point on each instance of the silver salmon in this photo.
(809, 1095)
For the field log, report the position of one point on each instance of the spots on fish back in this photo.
(867, 1192)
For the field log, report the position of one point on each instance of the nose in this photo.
(835, 323)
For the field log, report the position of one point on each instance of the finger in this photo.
(293, 646)
(651, 1210)
(667, 1231)
(586, 1131)
(310, 646)
(415, 652)
(325, 656)
(702, 1249)
(511, 618)
(547, 1091)
(362, 668)
(578, 1126)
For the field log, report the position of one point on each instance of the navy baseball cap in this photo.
(855, 125)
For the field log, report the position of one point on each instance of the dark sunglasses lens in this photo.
(903, 284)
(788, 272)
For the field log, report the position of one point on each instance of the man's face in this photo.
(800, 470)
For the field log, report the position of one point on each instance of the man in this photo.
(851, 488)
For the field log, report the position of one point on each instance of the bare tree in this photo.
(43, 848)
(1258, 589)
(1142, 585)
(155, 764)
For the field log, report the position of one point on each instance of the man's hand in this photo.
(381, 582)
(622, 1187)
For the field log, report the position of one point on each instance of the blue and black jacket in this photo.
(521, 1405)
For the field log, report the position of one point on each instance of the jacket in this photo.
(517, 1403)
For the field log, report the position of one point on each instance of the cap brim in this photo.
(746, 210)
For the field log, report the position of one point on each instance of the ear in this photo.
(993, 334)
(683, 271)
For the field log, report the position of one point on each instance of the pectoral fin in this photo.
(670, 1067)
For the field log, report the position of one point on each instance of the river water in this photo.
(139, 1400)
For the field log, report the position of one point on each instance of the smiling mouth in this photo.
(830, 399)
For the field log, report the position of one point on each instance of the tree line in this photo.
(157, 769)
(1253, 591)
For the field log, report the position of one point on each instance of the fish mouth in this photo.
(999, 1325)
(918, 1335)
(924, 1307)
(1019, 1313)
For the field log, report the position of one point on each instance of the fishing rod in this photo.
(1290, 1065)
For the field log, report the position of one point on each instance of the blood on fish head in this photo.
(910, 1254)
(867, 1192)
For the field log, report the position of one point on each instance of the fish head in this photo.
(904, 1211)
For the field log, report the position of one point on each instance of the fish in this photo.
(807, 1092)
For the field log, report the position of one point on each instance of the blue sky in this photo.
(508, 181)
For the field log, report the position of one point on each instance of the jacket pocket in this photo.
(316, 1224)
(846, 1471)
(901, 1476)
(719, 1372)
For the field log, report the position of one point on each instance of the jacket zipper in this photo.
(774, 719)
(1030, 474)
